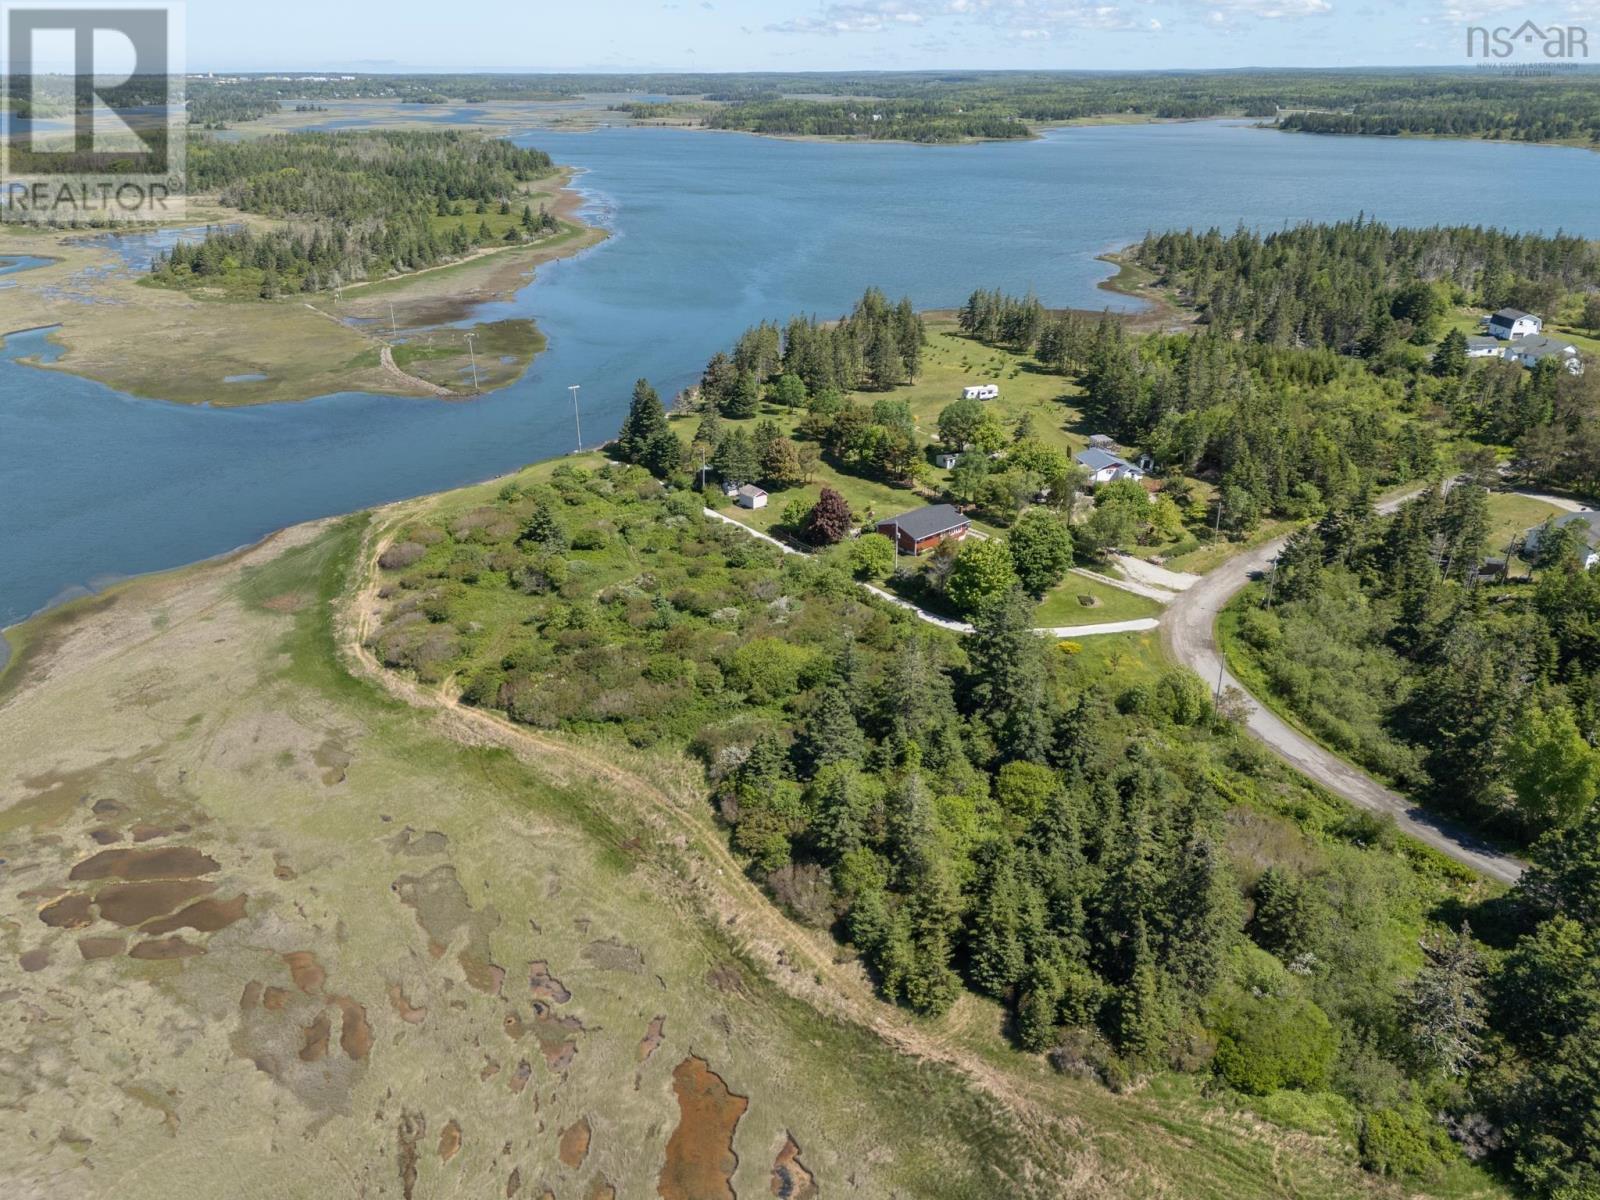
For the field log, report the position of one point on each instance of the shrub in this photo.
(766, 669)
(1268, 1043)
(871, 556)
(1403, 1142)
(401, 555)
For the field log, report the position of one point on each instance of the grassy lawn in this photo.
(1510, 516)
(1123, 658)
(1063, 605)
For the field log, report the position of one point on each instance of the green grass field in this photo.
(1062, 604)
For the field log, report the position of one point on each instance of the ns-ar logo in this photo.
(1552, 41)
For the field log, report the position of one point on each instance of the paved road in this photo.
(1189, 626)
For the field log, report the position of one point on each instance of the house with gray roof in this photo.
(1106, 467)
(1587, 525)
(1509, 324)
(1531, 351)
(922, 529)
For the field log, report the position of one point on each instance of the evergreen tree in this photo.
(646, 418)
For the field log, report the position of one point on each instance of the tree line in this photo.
(1483, 698)
(356, 206)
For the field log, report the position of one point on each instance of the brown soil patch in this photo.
(355, 1035)
(652, 1038)
(482, 974)
(100, 947)
(700, 1158)
(305, 970)
(417, 845)
(725, 978)
(314, 1047)
(69, 912)
(409, 1132)
(402, 1006)
(286, 602)
(491, 1069)
(519, 1077)
(136, 903)
(334, 759)
(449, 1141)
(575, 1140)
(545, 985)
(161, 949)
(105, 836)
(149, 833)
(251, 996)
(557, 1040)
(613, 955)
(601, 1189)
(155, 862)
(514, 1183)
(442, 909)
(204, 916)
(36, 959)
(282, 870)
(513, 1026)
(790, 1179)
(274, 999)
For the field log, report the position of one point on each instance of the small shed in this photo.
(750, 496)
(981, 391)
(946, 460)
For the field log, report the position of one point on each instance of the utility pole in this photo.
(392, 330)
(471, 350)
(1271, 579)
(577, 421)
(1217, 535)
(1222, 665)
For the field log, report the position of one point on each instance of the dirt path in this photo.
(1190, 636)
(405, 378)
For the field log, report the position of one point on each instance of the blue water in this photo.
(712, 233)
(17, 263)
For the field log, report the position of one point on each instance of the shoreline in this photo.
(79, 593)
(111, 326)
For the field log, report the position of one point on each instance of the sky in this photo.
(795, 35)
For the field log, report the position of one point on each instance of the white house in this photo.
(750, 496)
(981, 391)
(1587, 525)
(946, 460)
(1531, 351)
(1105, 467)
(1509, 324)
(1485, 347)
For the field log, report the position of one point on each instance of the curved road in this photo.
(1189, 627)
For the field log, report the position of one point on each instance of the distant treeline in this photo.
(1358, 283)
(903, 120)
(949, 105)
(361, 205)
(215, 110)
